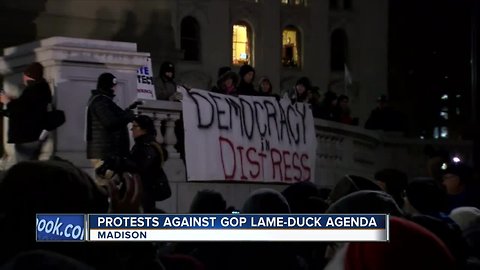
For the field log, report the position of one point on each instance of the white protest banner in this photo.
(247, 138)
(145, 87)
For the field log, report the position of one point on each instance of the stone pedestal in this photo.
(72, 66)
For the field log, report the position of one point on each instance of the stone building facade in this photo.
(330, 33)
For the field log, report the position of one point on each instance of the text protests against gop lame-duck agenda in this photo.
(248, 138)
(212, 227)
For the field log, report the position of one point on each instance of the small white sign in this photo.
(145, 86)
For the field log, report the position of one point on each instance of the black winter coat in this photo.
(107, 131)
(27, 113)
(246, 89)
(146, 160)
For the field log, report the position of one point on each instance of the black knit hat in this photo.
(208, 202)
(305, 82)
(223, 70)
(34, 71)
(106, 81)
(366, 201)
(427, 196)
(228, 75)
(167, 67)
(245, 69)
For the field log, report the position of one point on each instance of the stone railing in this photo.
(341, 149)
(163, 113)
(344, 149)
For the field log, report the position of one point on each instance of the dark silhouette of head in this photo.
(106, 82)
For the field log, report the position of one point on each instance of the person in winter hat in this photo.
(394, 182)
(302, 89)
(465, 216)
(247, 76)
(165, 85)
(366, 201)
(208, 202)
(227, 84)
(221, 71)
(106, 131)
(266, 201)
(349, 184)
(107, 82)
(265, 88)
(27, 113)
(457, 178)
(425, 196)
(410, 247)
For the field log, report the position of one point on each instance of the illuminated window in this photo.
(190, 39)
(241, 41)
(444, 132)
(284, 1)
(440, 132)
(291, 45)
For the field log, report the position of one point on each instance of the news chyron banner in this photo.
(204, 227)
(61, 227)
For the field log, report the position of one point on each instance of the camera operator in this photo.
(106, 131)
(146, 159)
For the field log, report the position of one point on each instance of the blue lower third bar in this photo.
(60, 227)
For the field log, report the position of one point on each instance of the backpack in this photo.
(161, 187)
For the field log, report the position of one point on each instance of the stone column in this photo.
(170, 137)
(157, 121)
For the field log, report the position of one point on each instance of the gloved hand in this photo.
(177, 96)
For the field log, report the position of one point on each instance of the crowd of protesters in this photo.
(332, 106)
(434, 224)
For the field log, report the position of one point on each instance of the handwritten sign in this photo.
(145, 86)
(247, 138)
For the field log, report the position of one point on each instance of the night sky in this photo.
(429, 56)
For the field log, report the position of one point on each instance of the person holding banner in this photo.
(247, 76)
(227, 84)
(220, 72)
